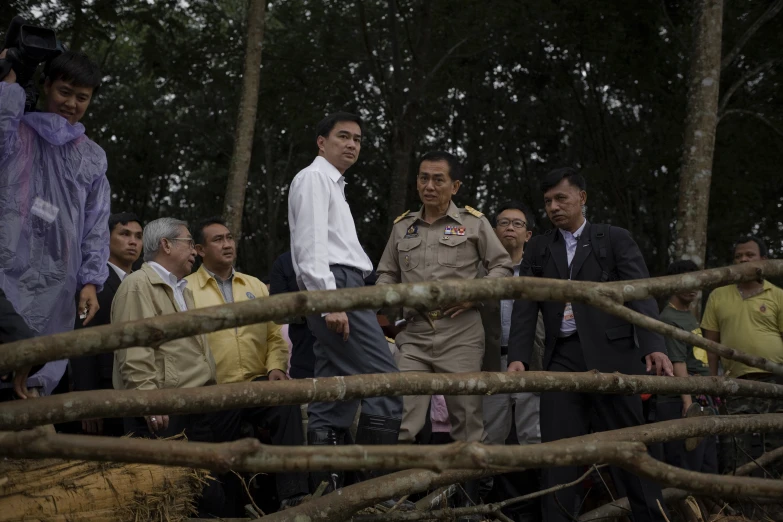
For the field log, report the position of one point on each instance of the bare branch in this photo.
(654, 325)
(251, 456)
(134, 403)
(770, 13)
(756, 115)
(426, 296)
(742, 81)
(482, 509)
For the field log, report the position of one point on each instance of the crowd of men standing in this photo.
(66, 262)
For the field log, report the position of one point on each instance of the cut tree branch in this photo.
(155, 331)
(622, 507)
(76, 406)
(770, 13)
(251, 456)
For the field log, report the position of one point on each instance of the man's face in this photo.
(341, 148)
(563, 204)
(747, 252)
(67, 100)
(435, 185)
(687, 297)
(125, 242)
(181, 252)
(219, 248)
(511, 229)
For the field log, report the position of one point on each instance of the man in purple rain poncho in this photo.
(54, 205)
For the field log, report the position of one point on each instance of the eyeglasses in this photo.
(190, 241)
(516, 223)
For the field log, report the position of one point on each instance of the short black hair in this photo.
(455, 167)
(123, 218)
(76, 68)
(556, 176)
(683, 266)
(516, 205)
(747, 239)
(325, 126)
(198, 230)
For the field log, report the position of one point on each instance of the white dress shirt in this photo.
(178, 286)
(119, 271)
(568, 326)
(322, 227)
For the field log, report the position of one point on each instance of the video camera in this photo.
(27, 46)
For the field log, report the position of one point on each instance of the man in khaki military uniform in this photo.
(439, 242)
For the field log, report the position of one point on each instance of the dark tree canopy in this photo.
(513, 88)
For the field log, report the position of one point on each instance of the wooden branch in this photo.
(654, 325)
(453, 513)
(742, 81)
(341, 505)
(621, 506)
(75, 406)
(424, 296)
(251, 456)
(770, 13)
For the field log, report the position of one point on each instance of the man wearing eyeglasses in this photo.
(438, 242)
(514, 228)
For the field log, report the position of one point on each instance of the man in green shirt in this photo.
(687, 360)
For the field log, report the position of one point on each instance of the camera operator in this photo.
(54, 204)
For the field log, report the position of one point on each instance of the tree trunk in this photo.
(246, 120)
(699, 143)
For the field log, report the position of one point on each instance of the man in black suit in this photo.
(581, 338)
(282, 279)
(94, 372)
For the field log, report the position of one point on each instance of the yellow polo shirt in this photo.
(241, 354)
(752, 325)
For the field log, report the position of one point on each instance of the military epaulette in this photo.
(473, 211)
(399, 218)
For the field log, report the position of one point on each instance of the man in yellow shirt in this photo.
(249, 353)
(749, 317)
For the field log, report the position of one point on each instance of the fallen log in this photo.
(56, 490)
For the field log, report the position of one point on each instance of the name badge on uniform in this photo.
(413, 231)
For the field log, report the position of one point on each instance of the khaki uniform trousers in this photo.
(455, 346)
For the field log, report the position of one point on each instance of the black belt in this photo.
(351, 268)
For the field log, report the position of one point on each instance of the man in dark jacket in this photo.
(93, 372)
(581, 338)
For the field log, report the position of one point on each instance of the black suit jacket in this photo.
(609, 344)
(12, 326)
(93, 372)
(282, 279)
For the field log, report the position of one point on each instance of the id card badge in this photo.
(568, 313)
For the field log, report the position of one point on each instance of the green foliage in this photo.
(515, 88)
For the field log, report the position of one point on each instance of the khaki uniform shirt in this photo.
(452, 247)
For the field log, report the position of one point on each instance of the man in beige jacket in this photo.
(159, 288)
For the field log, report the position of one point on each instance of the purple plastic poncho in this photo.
(54, 213)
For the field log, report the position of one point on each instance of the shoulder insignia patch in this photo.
(473, 211)
(399, 218)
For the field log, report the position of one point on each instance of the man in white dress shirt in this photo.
(327, 255)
